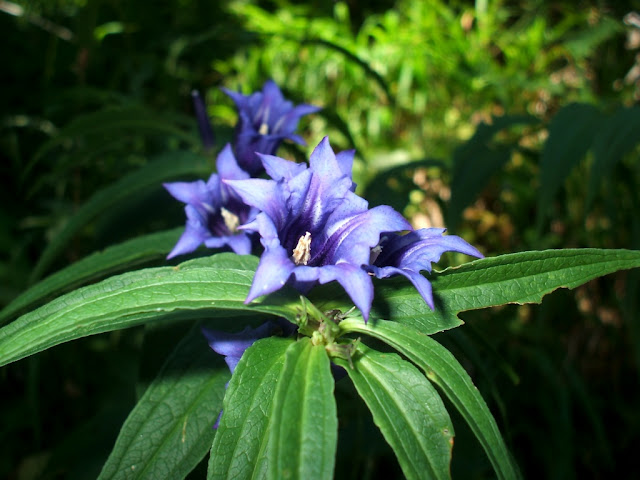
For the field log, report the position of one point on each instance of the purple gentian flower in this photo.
(204, 125)
(233, 345)
(265, 120)
(213, 210)
(313, 227)
(409, 254)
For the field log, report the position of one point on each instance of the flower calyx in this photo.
(323, 329)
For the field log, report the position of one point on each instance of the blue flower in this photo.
(233, 345)
(204, 125)
(409, 254)
(313, 227)
(213, 210)
(265, 120)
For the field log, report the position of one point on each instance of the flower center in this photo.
(302, 252)
(264, 129)
(231, 220)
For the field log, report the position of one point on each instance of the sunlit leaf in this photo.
(132, 253)
(240, 447)
(304, 424)
(519, 278)
(442, 368)
(408, 411)
(170, 429)
(215, 286)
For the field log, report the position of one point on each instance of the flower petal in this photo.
(233, 345)
(188, 192)
(281, 169)
(272, 273)
(351, 239)
(418, 249)
(423, 286)
(345, 161)
(228, 167)
(239, 99)
(194, 234)
(356, 282)
(260, 193)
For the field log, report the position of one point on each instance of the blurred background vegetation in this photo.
(514, 123)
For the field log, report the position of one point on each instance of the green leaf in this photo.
(355, 59)
(468, 182)
(240, 447)
(585, 41)
(114, 259)
(525, 277)
(213, 286)
(617, 136)
(408, 411)
(475, 162)
(520, 278)
(304, 422)
(119, 119)
(442, 368)
(394, 185)
(170, 429)
(570, 136)
(140, 182)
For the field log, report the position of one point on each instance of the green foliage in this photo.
(195, 289)
(241, 446)
(511, 120)
(216, 286)
(130, 254)
(169, 431)
(441, 367)
(568, 142)
(138, 183)
(303, 423)
(408, 411)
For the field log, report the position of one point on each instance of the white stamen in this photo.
(375, 252)
(264, 129)
(302, 252)
(230, 220)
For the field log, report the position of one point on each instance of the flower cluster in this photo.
(315, 229)
(312, 226)
(214, 211)
(265, 119)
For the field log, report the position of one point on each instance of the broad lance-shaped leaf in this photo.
(442, 368)
(240, 446)
(618, 135)
(140, 182)
(170, 430)
(475, 162)
(114, 259)
(304, 422)
(520, 278)
(570, 136)
(408, 411)
(349, 55)
(119, 119)
(214, 286)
